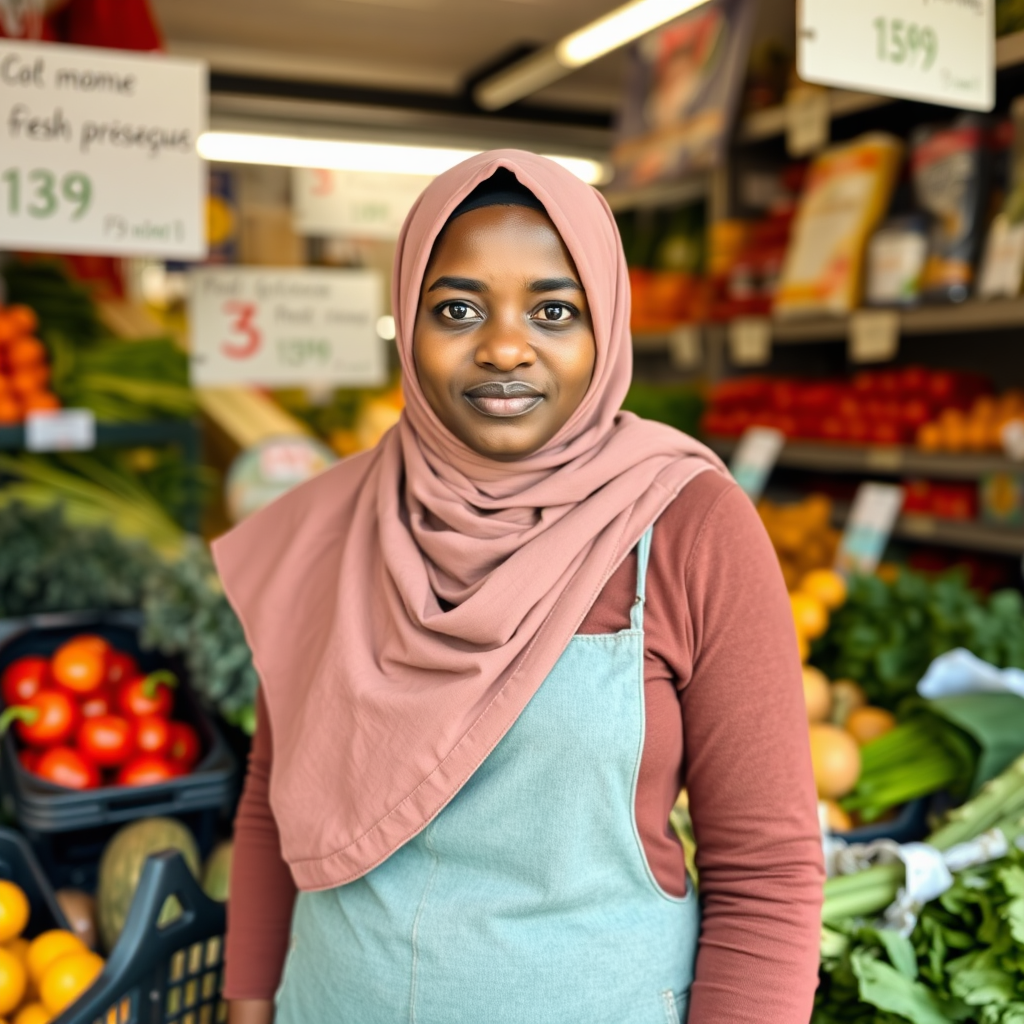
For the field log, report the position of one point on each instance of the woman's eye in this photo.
(457, 311)
(556, 312)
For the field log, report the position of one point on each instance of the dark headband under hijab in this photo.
(502, 188)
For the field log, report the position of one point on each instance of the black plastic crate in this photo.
(18, 865)
(68, 829)
(161, 975)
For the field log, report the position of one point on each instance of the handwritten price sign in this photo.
(938, 52)
(98, 151)
(286, 328)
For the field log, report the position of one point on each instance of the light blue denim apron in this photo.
(529, 899)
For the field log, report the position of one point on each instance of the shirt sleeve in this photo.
(262, 889)
(748, 774)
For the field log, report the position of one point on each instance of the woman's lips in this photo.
(504, 399)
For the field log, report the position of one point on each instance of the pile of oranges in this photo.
(978, 428)
(40, 977)
(24, 367)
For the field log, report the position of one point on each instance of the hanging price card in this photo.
(98, 151)
(755, 458)
(280, 328)
(937, 51)
(873, 514)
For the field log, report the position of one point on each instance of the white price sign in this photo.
(937, 51)
(353, 203)
(874, 335)
(750, 341)
(285, 328)
(60, 430)
(98, 151)
(874, 512)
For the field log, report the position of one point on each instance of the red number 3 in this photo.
(242, 325)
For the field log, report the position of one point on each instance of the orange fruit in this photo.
(32, 1013)
(14, 911)
(846, 696)
(809, 615)
(929, 437)
(23, 319)
(835, 757)
(826, 585)
(804, 647)
(39, 401)
(953, 425)
(26, 352)
(817, 695)
(44, 949)
(19, 947)
(13, 980)
(868, 723)
(8, 327)
(30, 379)
(10, 410)
(836, 819)
(67, 978)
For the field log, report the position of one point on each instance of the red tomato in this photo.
(97, 704)
(66, 767)
(24, 678)
(45, 720)
(147, 695)
(107, 741)
(120, 667)
(152, 735)
(29, 759)
(184, 750)
(80, 665)
(145, 770)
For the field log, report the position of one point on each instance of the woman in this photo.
(492, 650)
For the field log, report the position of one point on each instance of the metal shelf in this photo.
(124, 435)
(673, 193)
(770, 123)
(879, 460)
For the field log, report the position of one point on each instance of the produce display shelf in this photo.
(881, 460)
(770, 123)
(673, 193)
(123, 435)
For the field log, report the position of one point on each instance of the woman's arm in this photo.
(262, 893)
(748, 774)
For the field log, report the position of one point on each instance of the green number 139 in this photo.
(901, 42)
(38, 192)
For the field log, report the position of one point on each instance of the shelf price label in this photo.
(98, 151)
(286, 328)
(874, 512)
(750, 341)
(936, 52)
(755, 457)
(60, 430)
(874, 336)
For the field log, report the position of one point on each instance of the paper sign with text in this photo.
(98, 151)
(286, 328)
(938, 52)
(874, 512)
(353, 204)
(755, 457)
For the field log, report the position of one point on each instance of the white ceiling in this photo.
(430, 45)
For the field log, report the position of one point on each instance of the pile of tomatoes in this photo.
(88, 716)
(24, 367)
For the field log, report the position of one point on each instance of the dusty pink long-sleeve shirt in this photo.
(725, 716)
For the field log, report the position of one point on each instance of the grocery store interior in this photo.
(821, 207)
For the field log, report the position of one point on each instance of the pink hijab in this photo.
(382, 703)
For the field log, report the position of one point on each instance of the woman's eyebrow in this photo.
(555, 284)
(459, 284)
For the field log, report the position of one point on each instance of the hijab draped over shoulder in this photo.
(403, 607)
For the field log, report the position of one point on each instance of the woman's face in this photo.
(503, 342)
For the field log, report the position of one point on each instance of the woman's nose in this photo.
(505, 347)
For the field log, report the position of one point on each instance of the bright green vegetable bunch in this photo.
(887, 634)
(964, 961)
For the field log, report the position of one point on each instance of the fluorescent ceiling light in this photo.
(607, 33)
(618, 27)
(374, 157)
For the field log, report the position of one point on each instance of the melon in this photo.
(121, 868)
(217, 872)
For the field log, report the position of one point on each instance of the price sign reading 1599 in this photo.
(937, 51)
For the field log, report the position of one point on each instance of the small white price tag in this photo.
(808, 120)
(60, 430)
(685, 351)
(750, 341)
(874, 336)
(873, 515)
(1012, 436)
(755, 457)
(282, 328)
(914, 49)
(98, 151)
